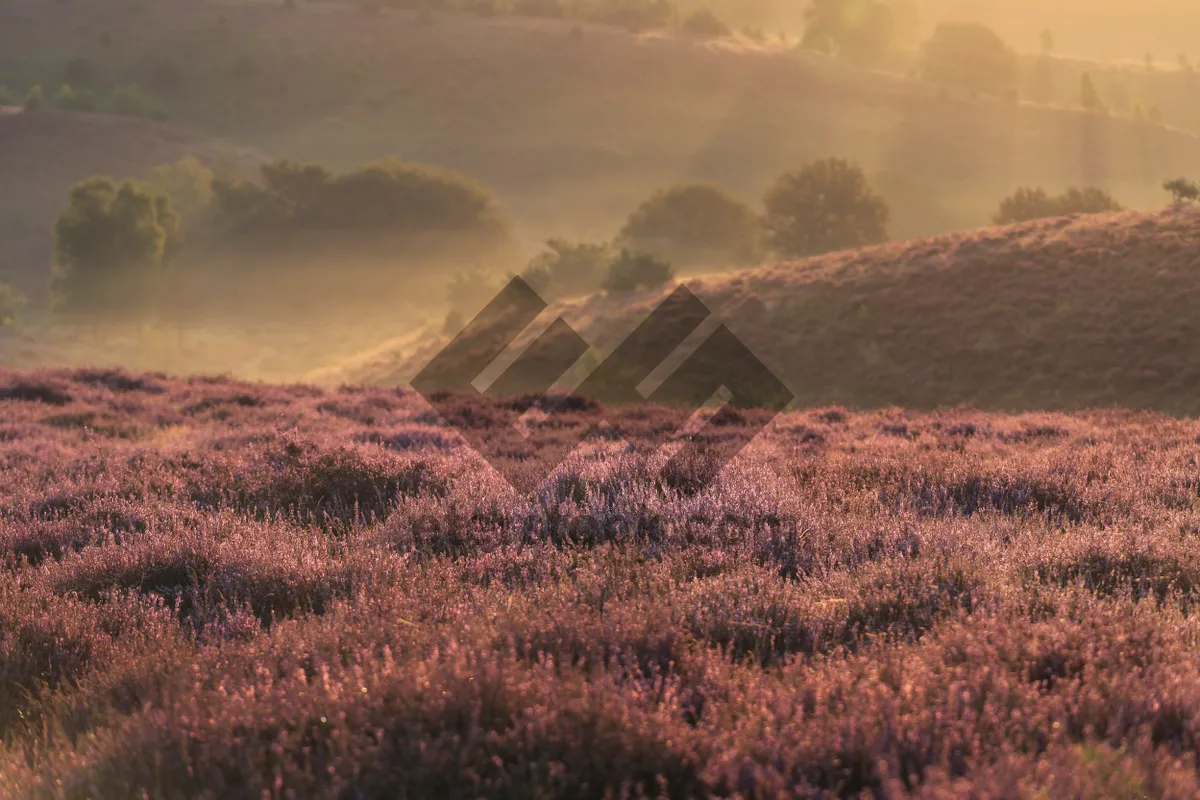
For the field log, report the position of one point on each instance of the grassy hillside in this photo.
(1066, 313)
(574, 133)
(42, 154)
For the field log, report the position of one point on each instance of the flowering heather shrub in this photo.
(285, 591)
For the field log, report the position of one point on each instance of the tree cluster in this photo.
(406, 201)
(1035, 203)
(111, 245)
(970, 57)
(861, 31)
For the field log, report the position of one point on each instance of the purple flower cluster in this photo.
(226, 590)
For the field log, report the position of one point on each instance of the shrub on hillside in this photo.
(545, 9)
(633, 15)
(1028, 204)
(1089, 96)
(11, 305)
(386, 197)
(34, 99)
(189, 184)
(705, 23)
(632, 271)
(566, 269)
(828, 205)
(969, 56)
(132, 101)
(110, 243)
(694, 224)
(858, 30)
(70, 99)
(1182, 190)
(80, 72)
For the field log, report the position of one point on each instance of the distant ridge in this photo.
(1068, 313)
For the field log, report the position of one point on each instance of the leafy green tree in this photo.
(858, 30)
(80, 72)
(388, 196)
(1035, 203)
(969, 56)
(545, 9)
(12, 303)
(704, 23)
(699, 223)
(633, 15)
(1089, 97)
(1047, 42)
(70, 99)
(35, 99)
(1183, 191)
(132, 101)
(567, 269)
(111, 244)
(632, 271)
(189, 184)
(828, 205)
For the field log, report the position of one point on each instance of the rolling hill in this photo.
(1068, 313)
(573, 126)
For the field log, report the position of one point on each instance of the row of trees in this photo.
(129, 100)
(116, 239)
(633, 15)
(965, 56)
(825, 206)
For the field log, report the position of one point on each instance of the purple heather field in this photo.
(230, 590)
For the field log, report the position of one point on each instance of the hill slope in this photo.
(42, 154)
(573, 133)
(1058, 314)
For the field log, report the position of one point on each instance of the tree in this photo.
(704, 23)
(566, 269)
(858, 30)
(80, 72)
(11, 305)
(828, 205)
(1183, 191)
(132, 101)
(1027, 204)
(971, 57)
(1089, 98)
(35, 99)
(189, 184)
(69, 99)
(110, 244)
(1047, 42)
(386, 197)
(633, 271)
(694, 224)
(545, 9)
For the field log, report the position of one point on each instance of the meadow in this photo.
(223, 589)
